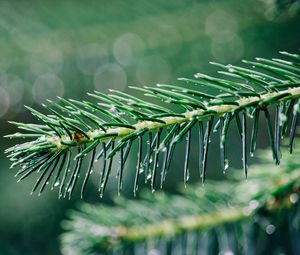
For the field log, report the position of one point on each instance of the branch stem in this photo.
(219, 217)
(199, 114)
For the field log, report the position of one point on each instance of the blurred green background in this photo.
(67, 48)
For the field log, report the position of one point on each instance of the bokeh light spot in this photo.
(152, 69)
(4, 101)
(48, 60)
(128, 48)
(110, 76)
(14, 86)
(90, 57)
(220, 21)
(47, 86)
(229, 48)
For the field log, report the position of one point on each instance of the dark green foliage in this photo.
(107, 128)
(230, 219)
(277, 7)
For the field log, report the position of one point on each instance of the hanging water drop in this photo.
(113, 109)
(56, 184)
(226, 164)
(294, 198)
(282, 118)
(229, 252)
(270, 229)
(253, 204)
(149, 176)
(187, 175)
(141, 168)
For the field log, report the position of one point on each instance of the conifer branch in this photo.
(196, 211)
(106, 129)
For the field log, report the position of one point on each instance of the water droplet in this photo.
(270, 229)
(47, 183)
(141, 168)
(150, 160)
(113, 109)
(149, 176)
(187, 175)
(228, 252)
(226, 165)
(251, 154)
(162, 147)
(91, 171)
(56, 184)
(282, 119)
(294, 198)
(253, 204)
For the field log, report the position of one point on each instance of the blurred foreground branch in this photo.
(220, 217)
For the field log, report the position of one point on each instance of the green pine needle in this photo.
(117, 120)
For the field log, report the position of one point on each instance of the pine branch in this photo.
(277, 7)
(226, 213)
(107, 128)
